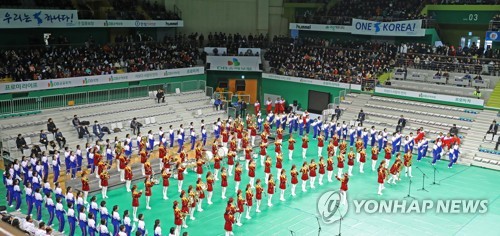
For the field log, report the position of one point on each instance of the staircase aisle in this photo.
(494, 100)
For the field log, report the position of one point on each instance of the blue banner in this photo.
(39, 18)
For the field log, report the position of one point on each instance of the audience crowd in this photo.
(91, 59)
(234, 41)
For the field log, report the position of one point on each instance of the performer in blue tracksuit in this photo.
(295, 123)
(92, 228)
(319, 125)
(127, 222)
(359, 130)
(352, 135)
(425, 147)
(71, 219)
(394, 142)
(302, 126)
(344, 130)
(160, 133)
(278, 122)
(436, 151)
(29, 197)
(82, 221)
(453, 155)
(412, 141)
(314, 125)
(364, 136)
(171, 135)
(49, 204)
(26, 168)
(79, 158)
(270, 119)
(115, 220)
(151, 141)
(398, 142)
(182, 132)
(308, 124)
(291, 123)
(216, 131)
(58, 191)
(60, 214)
(17, 194)
(45, 163)
(407, 144)
(386, 139)
(338, 130)
(104, 212)
(72, 164)
(38, 203)
(326, 130)
(204, 136)
(35, 181)
(128, 149)
(180, 141)
(66, 160)
(333, 129)
(56, 167)
(192, 134)
(141, 225)
(373, 134)
(93, 207)
(380, 139)
(9, 184)
(46, 187)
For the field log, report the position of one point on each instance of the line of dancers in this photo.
(33, 171)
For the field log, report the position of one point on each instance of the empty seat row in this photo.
(424, 105)
(416, 120)
(419, 112)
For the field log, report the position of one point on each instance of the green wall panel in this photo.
(294, 91)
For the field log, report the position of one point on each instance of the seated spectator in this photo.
(493, 129)
(51, 127)
(96, 129)
(160, 94)
(76, 122)
(83, 132)
(401, 124)
(135, 126)
(21, 143)
(61, 140)
(36, 150)
(43, 139)
(454, 130)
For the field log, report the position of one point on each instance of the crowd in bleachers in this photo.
(92, 59)
(323, 59)
(342, 12)
(126, 10)
(49, 4)
(157, 12)
(330, 60)
(234, 41)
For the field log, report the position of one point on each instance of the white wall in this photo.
(231, 16)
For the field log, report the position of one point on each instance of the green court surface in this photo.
(299, 214)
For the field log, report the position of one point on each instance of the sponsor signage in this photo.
(96, 79)
(318, 27)
(395, 28)
(307, 81)
(130, 23)
(431, 96)
(228, 63)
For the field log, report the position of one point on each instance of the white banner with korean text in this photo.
(27, 86)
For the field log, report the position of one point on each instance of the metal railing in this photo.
(18, 105)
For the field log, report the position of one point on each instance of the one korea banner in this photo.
(96, 79)
(39, 18)
(228, 63)
(396, 28)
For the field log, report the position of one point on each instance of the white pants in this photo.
(357, 157)
(238, 145)
(343, 197)
(349, 171)
(262, 158)
(216, 174)
(311, 183)
(279, 172)
(380, 187)
(85, 194)
(387, 163)
(373, 165)
(330, 174)
(321, 179)
(335, 150)
(320, 150)
(304, 151)
(223, 192)
(247, 162)
(127, 185)
(293, 189)
(304, 183)
(269, 199)
(253, 141)
(230, 170)
(237, 186)
(290, 154)
(267, 178)
(209, 198)
(179, 185)
(143, 170)
(147, 201)
(282, 195)
(122, 175)
(339, 172)
(165, 189)
(408, 171)
(252, 180)
(361, 167)
(104, 192)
